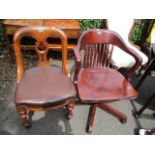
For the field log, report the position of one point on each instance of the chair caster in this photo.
(89, 130)
(69, 116)
(27, 125)
(123, 121)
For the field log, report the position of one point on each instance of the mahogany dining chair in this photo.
(43, 87)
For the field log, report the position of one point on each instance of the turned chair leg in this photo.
(91, 118)
(69, 108)
(23, 116)
(108, 108)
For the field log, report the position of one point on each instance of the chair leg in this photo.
(139, 112)
(69, 108)
(139, 71)
(105, 106)
(23, 116)
(91, 118)
(147, 71)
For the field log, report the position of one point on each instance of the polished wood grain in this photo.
(41, 46)
(97, 82)
(71, 28)
(43, 87)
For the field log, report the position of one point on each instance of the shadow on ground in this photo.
(145, 92)
(43, 123)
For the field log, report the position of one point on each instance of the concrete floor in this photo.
(55, 123)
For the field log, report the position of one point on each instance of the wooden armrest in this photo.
(137, 64)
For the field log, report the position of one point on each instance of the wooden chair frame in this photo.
(102, 36)
(40, 34)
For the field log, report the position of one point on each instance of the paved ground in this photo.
(55, 122)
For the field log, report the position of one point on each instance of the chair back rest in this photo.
(97, 45)
(40, 34)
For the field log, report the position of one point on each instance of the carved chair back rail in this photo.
(41, 46)
(96, 47)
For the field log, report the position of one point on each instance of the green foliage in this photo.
(1, 28)
(86, 24)
(138, 34)
(2, 36)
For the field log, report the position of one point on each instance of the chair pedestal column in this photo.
(91, 118)
(106, 107)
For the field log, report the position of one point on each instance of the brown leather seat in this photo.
(44, 85)
(96, 85)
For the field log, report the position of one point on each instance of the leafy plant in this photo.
(2, 36)
(140, 30)
(86, 24)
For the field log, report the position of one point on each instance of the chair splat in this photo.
(42, 49)
(97, 55)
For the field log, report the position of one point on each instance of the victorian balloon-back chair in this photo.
(97, 82)
(43, 87)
